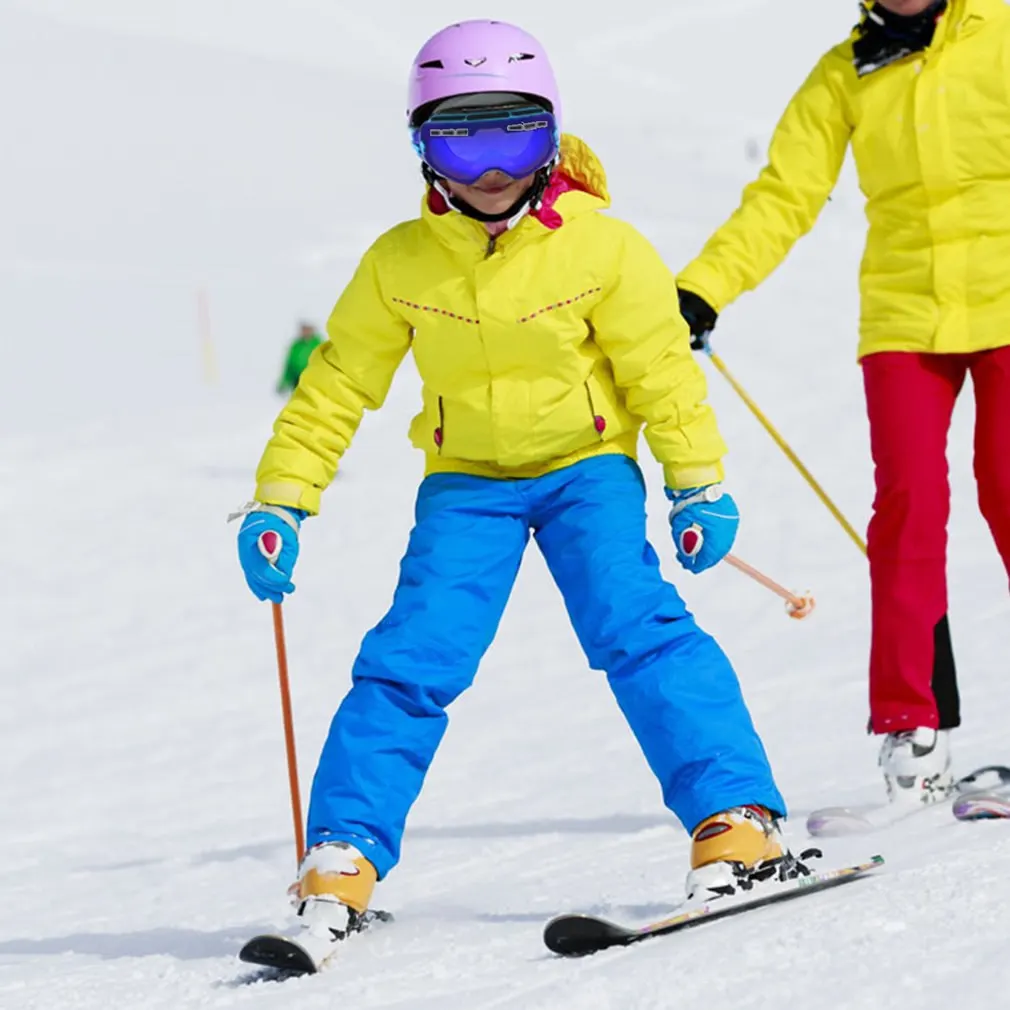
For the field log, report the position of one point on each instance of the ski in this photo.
(288, 958)
(832, 822)
(991, 805)
(279, 953)
(578, 935)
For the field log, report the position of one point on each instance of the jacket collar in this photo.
(961, 18)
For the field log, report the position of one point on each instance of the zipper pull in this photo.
(492, 241)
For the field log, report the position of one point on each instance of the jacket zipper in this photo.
(492, 241)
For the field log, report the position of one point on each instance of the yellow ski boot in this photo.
(733, 850)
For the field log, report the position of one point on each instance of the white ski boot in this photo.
(736, 849)
(916, 766)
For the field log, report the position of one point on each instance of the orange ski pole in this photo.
(797, 607)
(289, 731)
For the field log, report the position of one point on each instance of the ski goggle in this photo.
(463, 144)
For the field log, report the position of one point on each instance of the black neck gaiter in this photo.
(885, 37)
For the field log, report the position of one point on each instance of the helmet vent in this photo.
(433, 65)
(519, 57)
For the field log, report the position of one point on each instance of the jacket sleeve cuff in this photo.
(295, 496)
(704, 282)
(680, 477)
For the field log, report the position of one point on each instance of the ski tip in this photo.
(982, 807)
(578, 935)
(289, 958)
(983, 779)
(836, 822)
(279, 953)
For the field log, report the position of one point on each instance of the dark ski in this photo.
(578, 935)
(287, 958)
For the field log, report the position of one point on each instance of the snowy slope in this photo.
(255, 150)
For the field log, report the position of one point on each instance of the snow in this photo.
(253, 151)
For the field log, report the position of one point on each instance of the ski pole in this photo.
(270, 544)
(691, 542)
(289, 731)
(784, 446)
(797, 607)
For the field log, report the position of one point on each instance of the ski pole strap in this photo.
(709, 494)
(275, 510)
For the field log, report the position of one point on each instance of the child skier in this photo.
(545, 334)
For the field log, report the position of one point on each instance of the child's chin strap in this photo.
(529, 200)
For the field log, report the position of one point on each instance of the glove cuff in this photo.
(293, 517)
(693, 496)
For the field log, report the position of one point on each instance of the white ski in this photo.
(832, 822)
(987, 805)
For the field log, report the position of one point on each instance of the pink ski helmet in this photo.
(472, 57)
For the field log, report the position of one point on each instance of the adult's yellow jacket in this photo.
(555, 342)
(931, 140)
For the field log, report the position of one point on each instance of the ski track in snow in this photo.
(146, 828)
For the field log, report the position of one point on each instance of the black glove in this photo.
(699, 316)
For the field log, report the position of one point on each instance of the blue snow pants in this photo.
(673, 683)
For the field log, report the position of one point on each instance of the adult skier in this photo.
(921, 92)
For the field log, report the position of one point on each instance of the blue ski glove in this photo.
(704, 522)
(268, 549)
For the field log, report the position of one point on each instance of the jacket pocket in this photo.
(595, 401)
(427, 428)
(438, 435)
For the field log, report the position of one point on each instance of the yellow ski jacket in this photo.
(555, 342)
(931, 139)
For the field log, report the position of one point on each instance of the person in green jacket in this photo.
(302, 346)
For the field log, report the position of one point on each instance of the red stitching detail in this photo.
(437, 311)
(559, 305)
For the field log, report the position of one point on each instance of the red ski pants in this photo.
(910, 399)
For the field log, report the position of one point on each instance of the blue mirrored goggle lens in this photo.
(464, 150)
